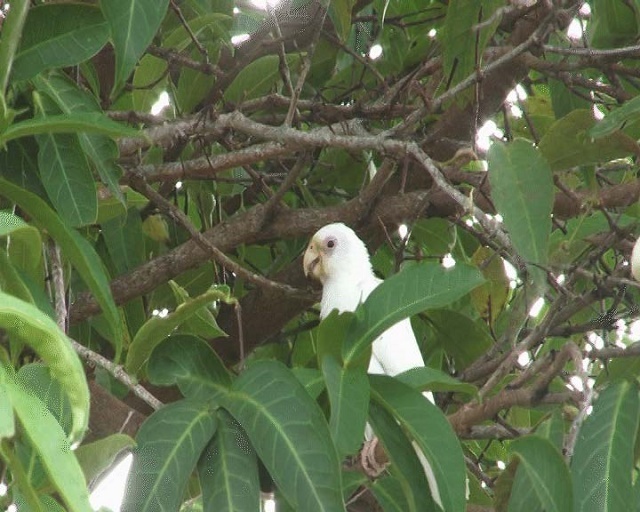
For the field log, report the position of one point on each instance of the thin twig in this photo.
(238, 310)
(138, 182)
(284, 65)
(588, 395)
(118, 372)
(304, 71)
(288, 182)
(186, 26)
(59, 290)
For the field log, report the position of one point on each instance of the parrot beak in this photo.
(311, 261)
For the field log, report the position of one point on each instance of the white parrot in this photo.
(340, 261)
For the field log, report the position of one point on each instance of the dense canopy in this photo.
(163, 164)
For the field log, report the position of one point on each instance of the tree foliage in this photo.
(164, 250)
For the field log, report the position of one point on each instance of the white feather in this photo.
(347, 281)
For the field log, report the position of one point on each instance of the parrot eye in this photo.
(331, 243)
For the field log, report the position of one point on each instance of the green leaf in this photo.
(612, 24)
(258, 78)
(169, 443)
(156, 328)
(603, 459)
(90, 122)
(133, 24)
(47, 438)
(552, 429)
(77, 250)
(470, 338)
(7, 423)
(430, 429)
(405, 465)
(569, 143)
(37, 379)
(228, 470)
(209, 23)
(389, 493)
(460, 42)
(10, 280)
(523, 193)
(67, 178)
(190, 363)
(202, 323)
(545, 479)
(348, 389)
(311, 379)
(96, 458)
(563, 98)
(11, 35)
(25, 249)
(340, 13)
(99, 149)
(616, 118)
(124, 240)
(19, 164)
(351, 481)
(425, 378)
(28, 324)
(59, 35)
(290, 435)
(414, 289)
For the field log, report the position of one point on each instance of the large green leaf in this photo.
(133, 24)
(38, 380)
(77, 250)
(347, 386)
(48, 439)
(290, 435)
(570, 143)
(157, 328)
(228, 470)
(603, 459)
(57, 35)
(169, 443)
(99, 149)
(431, 431)
(522, 192)
(414, 289)
(311, 379)
(90, 122)
(31, 326)
(542, 478)
(67, 178)
(190, 363)
(405, 465)
(124, 240)
(348, 389)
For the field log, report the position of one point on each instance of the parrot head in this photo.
(335, 251)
